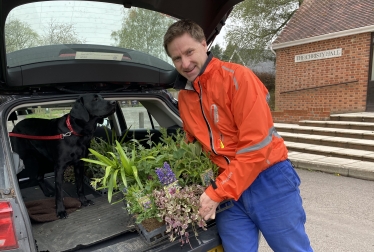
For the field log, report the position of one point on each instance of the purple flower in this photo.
(147, 205)
(165, 174)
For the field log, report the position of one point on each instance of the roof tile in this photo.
(320, 17)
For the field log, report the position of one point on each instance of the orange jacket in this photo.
(226, 110)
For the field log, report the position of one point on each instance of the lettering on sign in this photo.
(319, 55)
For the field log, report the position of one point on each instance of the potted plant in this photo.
(166, 181)
(120, 169)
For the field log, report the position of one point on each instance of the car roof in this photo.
(209, 14)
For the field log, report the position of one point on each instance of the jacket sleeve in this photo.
(259, 146)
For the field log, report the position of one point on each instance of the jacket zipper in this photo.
(215, 116)
(209, 128)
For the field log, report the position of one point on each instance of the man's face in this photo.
(188, 55)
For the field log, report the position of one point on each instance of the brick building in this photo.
(325, 61)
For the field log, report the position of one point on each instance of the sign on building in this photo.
(319, 55)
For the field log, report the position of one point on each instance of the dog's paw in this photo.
(87, 202)
(62, 214)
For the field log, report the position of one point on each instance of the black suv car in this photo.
(53, 51)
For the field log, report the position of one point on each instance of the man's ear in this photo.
(79, 111)
(205, 45)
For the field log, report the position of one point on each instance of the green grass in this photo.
(48, 115)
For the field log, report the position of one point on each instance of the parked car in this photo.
(52, 52)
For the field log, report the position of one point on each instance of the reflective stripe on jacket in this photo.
(226, 110)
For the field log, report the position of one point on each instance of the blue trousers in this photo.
(272, 205)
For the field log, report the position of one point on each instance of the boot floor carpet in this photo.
(83, 227)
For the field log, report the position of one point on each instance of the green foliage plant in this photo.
(93, 170)
(133, 168)
(142, 210)
(188, 160)
(120, 169)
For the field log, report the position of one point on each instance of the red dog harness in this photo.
(60, 136)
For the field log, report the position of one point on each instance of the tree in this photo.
(60, 34)
(19, 35)
(217, 51)
(143, 30)
(256, 23)
(233, 53)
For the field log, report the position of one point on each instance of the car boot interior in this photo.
(84, 225)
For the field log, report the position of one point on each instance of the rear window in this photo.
(75, 30)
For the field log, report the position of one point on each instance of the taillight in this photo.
(7, 232)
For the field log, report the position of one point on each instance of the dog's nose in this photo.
(112, 103)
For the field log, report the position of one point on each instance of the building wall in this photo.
(338, 85)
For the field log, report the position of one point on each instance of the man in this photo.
(224, 107)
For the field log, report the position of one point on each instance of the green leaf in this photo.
(93, 161)
(198, 149)
(133, 156)
(123, 175)
(135, 171)
(107, 173)
(112, 154)
(179, 154)
(179, 172)
(147, 158)
(101, 158)
(160, 158)
(114, 176)
(124, 159)
(110, 189)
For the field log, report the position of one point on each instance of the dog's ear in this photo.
(100, 121)
(79, 111)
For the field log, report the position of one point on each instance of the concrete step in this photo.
(354, 117)
(331, 141)
(342, 146)
(322, 131)
(361, 155)
(339, 166)
(339, 124)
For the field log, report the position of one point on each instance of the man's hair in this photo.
(181, 27)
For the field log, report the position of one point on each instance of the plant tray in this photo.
(224, 205)
(153, 236)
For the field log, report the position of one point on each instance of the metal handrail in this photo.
(336, 84)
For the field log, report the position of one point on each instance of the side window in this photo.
(137, 116)
(36, 112)
(41, 112)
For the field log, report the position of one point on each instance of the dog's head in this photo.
(90, 106)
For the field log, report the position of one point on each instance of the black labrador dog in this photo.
(76, 130)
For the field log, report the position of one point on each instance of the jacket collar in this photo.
(182, 83)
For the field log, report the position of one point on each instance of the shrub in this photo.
(267, 78)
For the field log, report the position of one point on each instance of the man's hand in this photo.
(207, 207)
